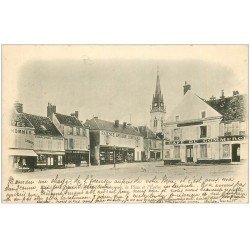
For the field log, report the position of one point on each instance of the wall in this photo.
(22, 138)
(159, 116)
(47, 143)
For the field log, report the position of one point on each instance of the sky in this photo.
(118, 82)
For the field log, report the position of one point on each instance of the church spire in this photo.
(158, 109)
(158, 101)
(158, 86)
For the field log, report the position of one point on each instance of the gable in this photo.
(191, 107)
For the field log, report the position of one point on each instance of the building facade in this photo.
(195, 132)
(158, 109)
(76, 136)
(21, 143)
(152, 144)
(111, 142)
(48, 142)
(233, 127)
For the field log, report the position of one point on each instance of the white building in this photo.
(194, 133)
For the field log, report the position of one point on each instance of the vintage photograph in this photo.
(125, 123)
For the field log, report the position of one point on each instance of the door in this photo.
(235, 152)
(190, 153)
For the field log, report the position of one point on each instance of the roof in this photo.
(43, 125)
(232, 108)
(19, 120)
(147, 133)
(68, 120)
(158, 96)
(98, 124)
(190, 108)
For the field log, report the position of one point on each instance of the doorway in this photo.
(235, 152)
(190, 153)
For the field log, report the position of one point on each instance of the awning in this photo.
(22, 152)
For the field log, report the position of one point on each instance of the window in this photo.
(228, 129)
(71, 143)
(235, 128)
(203, 131)
(177, 152)
(177, 118)
(41, 159)
(203, 150)
(70, 130)
(203, 114)
(60, 160)
(155, 122)
(226, 150)
(177, 134)
(167, 153)
(78, 131)
(50, 161)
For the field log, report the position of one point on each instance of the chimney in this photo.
(124, 125)
(51, 109)
(75, 114)
(222, 94)
(116, 123)
(186, 87)
(18, 107)
(235, 92)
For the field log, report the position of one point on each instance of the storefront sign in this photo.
(74, 151)
(121, 135)
(220, 139)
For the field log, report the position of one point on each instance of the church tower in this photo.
(158, 109)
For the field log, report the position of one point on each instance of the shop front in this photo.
(233, 149)
(155, 155)
(224, 149)
(76, 157)
(109, 155)
(22, 158)
(46, 159)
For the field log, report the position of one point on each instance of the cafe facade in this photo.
(195, 132)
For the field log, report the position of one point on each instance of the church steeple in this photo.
(158, 109)
(158, 101)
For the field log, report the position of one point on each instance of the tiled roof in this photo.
(147, 132)
(19, 120)
(68, 120)
(43, 125)
(232, 108)
(98, 124)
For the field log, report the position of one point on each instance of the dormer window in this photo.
(203, 114)
(177, 118)
(43, 128)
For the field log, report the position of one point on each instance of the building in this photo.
(158, 109)
(111, 142)
(195, 132)
(233, 126)
(21, 143)
(48, 142)
(152, 144)
(76, 136)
